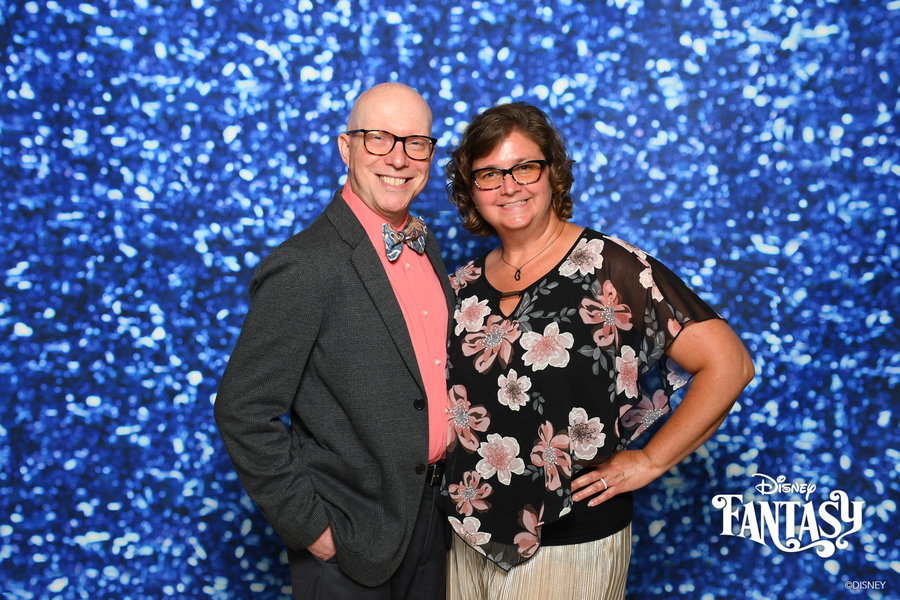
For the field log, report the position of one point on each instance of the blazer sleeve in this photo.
(259, 386)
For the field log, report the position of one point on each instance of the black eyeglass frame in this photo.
(397, 138)
(543, 163)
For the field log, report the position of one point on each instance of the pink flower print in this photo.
(464, 275)
(513, 390)
(528, 540)
(551, 348)
(646, 412)
(468, 531)
(675, 375)
(463, 419)
(607, 313)
(627, 368)
(468, 495)
(674, 327)
(500, 457)
(642, 256)
(584, 259)
(495, 340)
(646, 279)
(585, 435)
(470, 315)
(552, 452)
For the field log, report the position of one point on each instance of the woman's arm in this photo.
(721, 367)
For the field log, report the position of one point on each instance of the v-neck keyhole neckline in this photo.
(498, 294)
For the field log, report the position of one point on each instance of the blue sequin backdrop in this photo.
(154, 150)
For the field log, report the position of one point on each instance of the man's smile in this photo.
(394, 180)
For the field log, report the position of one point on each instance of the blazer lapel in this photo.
(371, 273)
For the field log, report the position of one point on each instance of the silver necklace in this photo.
(518, 274)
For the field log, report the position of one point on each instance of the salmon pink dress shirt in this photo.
(424, 308)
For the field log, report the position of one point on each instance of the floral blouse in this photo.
(577, 371)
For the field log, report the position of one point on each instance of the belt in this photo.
(433, 473)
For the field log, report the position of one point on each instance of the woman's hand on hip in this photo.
(625, 471)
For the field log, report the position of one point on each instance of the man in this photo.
(347, 332)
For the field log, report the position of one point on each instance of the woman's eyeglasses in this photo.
(523, 173)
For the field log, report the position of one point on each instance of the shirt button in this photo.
(420, 468)
(437, 361)
(425, 313)
(419, 404)
(407, 265)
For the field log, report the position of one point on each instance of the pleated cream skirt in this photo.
(590, 571)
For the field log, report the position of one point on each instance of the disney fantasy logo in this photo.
(791, 525)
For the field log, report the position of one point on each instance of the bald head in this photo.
(394, 102)
(386, 183)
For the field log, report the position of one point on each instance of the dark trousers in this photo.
(420, 576)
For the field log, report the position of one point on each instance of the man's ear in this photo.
(343, 142)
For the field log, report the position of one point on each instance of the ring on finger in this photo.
(605, 486)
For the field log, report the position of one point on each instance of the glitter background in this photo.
(153, 151)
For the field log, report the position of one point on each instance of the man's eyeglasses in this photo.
(380, 143)
(523, 173)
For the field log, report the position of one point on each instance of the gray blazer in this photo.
(325, 340)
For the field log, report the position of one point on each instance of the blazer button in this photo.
(420, 468)
(419, 404)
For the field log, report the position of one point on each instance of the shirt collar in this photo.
(368, 218)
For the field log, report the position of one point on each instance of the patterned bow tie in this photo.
(413, 235)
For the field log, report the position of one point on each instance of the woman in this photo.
(565, 347)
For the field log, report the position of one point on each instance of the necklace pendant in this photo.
(518, 274)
